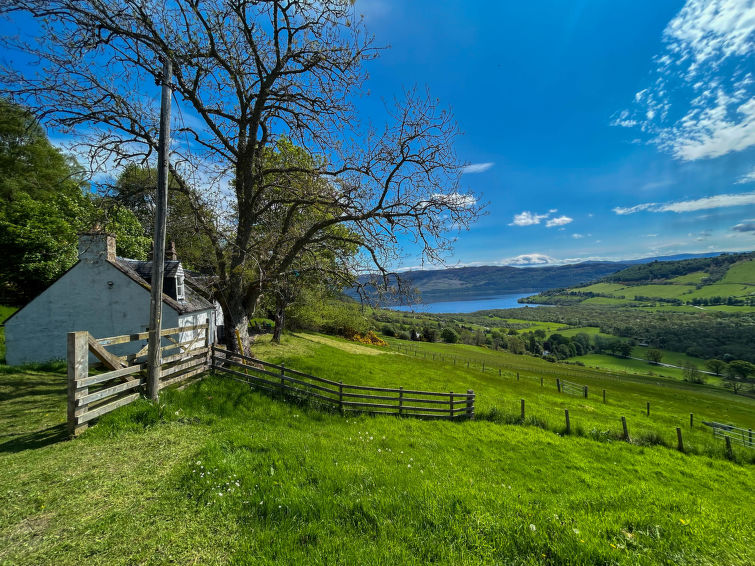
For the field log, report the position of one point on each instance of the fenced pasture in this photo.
(280, 380)
(91, 396)
(653, 408)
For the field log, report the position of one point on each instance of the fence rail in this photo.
(280, 380)
(91, 396)
(572, 388)
(735, 434)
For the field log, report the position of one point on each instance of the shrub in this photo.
(449, 336)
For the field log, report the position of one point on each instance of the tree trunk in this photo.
(280, 316)
(237, 326)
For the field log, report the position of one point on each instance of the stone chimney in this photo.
(96, 246)
(170, 253)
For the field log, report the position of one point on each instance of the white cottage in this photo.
(105, 295)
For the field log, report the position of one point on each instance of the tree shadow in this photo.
(34, 440)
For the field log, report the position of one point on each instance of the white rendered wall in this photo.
(83, 299)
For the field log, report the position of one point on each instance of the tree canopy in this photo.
(246, 74)
(44, 203)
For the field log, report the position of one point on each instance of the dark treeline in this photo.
(703, 335)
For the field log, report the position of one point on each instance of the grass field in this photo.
(218, 474)
(738, 282)
(627, 394)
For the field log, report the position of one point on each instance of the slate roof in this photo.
(193, 301)
(144, 268)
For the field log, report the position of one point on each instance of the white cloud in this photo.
(477, 167)
(707, 62)
(633, 209)
(745, 226)
(527, 218)
(577, 236)
(462, 200)
(747, 178)
(530, 259)
(558, 221)
(705, 203)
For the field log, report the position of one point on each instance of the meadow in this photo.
(219, 474)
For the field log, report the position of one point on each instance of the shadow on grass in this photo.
(34, 440)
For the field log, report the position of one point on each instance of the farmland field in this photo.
(219, 474)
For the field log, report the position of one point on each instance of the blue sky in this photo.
(594, 129)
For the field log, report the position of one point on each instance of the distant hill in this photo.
(466, 283)
(462, 283)
(726, 280)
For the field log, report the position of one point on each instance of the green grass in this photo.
(690, 278)
(627, 394)
(638, 367)
(218, 474)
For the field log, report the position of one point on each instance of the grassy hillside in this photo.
(725, 282)
(218, 474)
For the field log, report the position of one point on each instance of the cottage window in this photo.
(180, 288)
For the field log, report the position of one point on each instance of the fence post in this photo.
(78, 369)
(208, 344)
(679, 442)
(604, 395)
(467, 364)
(647, 411)
(541, 382)
(624, 426)
(729, 453)
(517, 376)
(470, 404)
(691, 420)
(483, 367)
(750, 431)
(558, 385)
(568, 424)
(340, 396)
(585, 391)
(283, 379)
(451, 404)
(499, 372)
(400, 401)
(522, 410)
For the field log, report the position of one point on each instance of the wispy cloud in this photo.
(464, 200)
(745, 226)
(709, 53)
(527, 218)
(530, 259)
(746, 178)
(558, 221)
(477, 167)
(705, 203)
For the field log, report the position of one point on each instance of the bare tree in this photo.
(245, 74)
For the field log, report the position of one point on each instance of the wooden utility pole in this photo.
(154, 354)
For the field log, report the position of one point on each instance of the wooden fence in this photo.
(283, 381)
(91, 396)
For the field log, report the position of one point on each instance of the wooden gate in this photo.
(91, 396)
